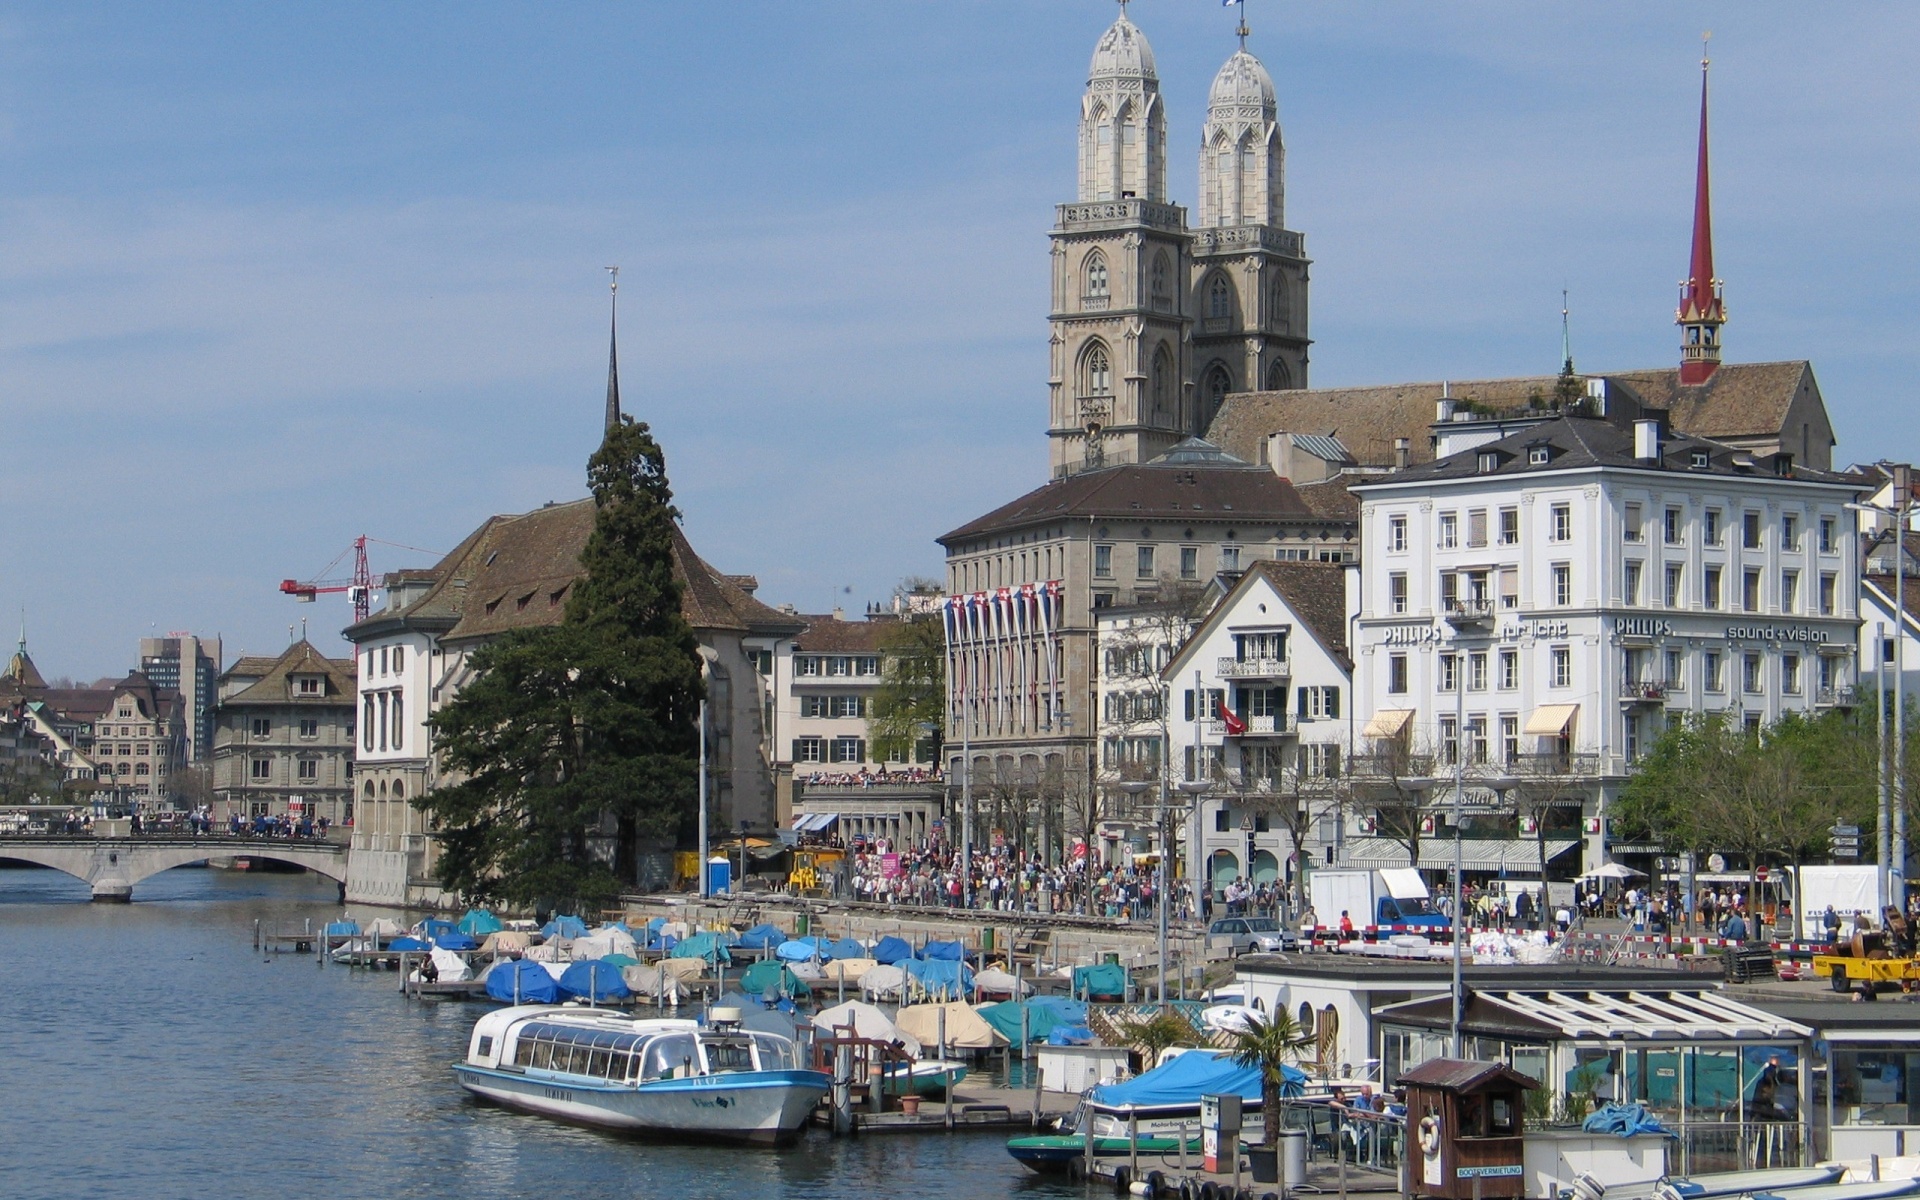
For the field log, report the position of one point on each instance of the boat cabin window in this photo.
(776, 1054)
(486, 1046)
(671, 1057)
(593, 1053)
(728, 1054)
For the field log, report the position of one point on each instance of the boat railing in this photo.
(869, 1058)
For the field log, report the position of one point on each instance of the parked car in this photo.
(1257, 935)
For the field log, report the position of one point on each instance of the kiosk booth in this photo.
(1468, 1122)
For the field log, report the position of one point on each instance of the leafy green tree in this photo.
(574, 742)
(912, 696)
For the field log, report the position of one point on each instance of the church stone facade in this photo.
(1154, 322)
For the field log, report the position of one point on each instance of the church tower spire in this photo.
(1702, 310)
(613, 349)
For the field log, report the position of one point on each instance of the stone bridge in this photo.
(112, 865)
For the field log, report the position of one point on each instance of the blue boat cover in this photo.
(342, 928)
(567, 927)
(702, 945)
(947, 951)
(826, 949)
(1070, 1035)
(940, 978)
(403, 942)
(1185, 1079)
(771, 978)
(890, 951)
(594, 981)
(1105, 979)
(1624, 1120)
(455, 941)
(656, 925)
(479, 923)
(434, 927)
(760, 937)
(1071, 1012)
(535, 985)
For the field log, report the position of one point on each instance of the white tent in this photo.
(867, 1022)
(603, 942)
(659, 980)
(1612, 870)
(383, 927)
(965, 1028)
(995, 982)
(451, 967)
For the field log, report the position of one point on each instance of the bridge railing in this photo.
(177, 838)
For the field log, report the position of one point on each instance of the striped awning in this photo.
(1387, 723)
(1436, 853)
(1550, 720)
(813, 822)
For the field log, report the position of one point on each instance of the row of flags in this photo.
(1030, 610)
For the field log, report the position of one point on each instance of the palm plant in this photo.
(1268, 1044)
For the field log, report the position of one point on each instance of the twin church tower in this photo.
(1154, 322)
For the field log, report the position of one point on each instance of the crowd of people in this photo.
(865, 777)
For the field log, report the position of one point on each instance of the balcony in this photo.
(1271, 726)
(1642, 691)
(1836, 697)
(1253, 668)
(1472, 613)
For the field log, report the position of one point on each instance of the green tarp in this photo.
(773, 978)
(1005, 1017)
(1106, 979)
(701, 945)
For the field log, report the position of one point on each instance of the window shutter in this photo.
(860, 755)
(796, 750)
(1300, 702)
(1333, 702)
(1189, 695)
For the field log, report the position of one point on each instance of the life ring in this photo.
(1429, 1135)
(1076, 1170)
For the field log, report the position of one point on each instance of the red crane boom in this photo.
(359, 588)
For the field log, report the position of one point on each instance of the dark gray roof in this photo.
(1577, 442)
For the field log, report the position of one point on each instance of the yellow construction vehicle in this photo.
(811, 867)
(1866, 961)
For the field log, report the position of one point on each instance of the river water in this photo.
(148, 1051)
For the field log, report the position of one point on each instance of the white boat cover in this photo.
(555, 969)
(452, 968)
(966, 1029)
(505, 941)
(850, 969)
(867, 1022)
(1228, 1018)
(548, 952)
(383, 927)
(996, 982)
(883, 983)
(601, 943)
(647, 979)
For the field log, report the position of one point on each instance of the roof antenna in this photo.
(1566, 336)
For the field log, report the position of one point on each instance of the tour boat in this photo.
(595, 1067)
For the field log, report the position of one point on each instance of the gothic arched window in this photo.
(1219, 298)
(1160, 273)
(1279, 379)
(1219, 383)
(1096, 372)
(1279, 312)
(1096, 275)
(1161, 382)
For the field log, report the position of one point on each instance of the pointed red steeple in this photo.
(1702, 311)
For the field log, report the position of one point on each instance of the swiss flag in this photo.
(1233, 724)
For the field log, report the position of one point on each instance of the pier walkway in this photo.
(111, 866)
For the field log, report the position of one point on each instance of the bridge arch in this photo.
(112, 866)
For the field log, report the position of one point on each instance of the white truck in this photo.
(1848, 889)
(1388, 897)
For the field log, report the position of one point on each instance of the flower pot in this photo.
(910, 1104)
(1265, 1163)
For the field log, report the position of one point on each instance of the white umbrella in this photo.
(1612, 871)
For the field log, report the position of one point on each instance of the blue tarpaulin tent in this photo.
(1105, 980)
(826, 949)
(1070, 1035)
(595, 981)
(454, 941)
(890, 951)
(566, 927)
(435, 928)
(945, 951)
(1185, 1079)
(403, 942)
(533, 984)
(479, 923)
(702, 945)
(940, 979)
(342, 928)
(1072, 1012)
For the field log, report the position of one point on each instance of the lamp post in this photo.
(1473, 613)
(1135, 788)
(1891, 823)
(1194, 789)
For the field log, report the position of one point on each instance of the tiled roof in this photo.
(272, 686)
(154, 701)
(1331, 498)
(79, 704)
(21, 673)
(1741, 400)
(1589, 442)
(1317, 594)
(515, 571)
(833, 635)
(1185, 490)
(251, 666)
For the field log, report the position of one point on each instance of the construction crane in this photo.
(359, 588)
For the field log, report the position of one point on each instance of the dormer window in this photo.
(1539, 456)
(307, 685)
(1489, 462)
(1698, 460)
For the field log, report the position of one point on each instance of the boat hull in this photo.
(926, 1079)
(760, 1107)
(1050, 1153)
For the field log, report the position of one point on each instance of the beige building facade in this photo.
(283, 737)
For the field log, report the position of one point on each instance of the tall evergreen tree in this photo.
(573, 743)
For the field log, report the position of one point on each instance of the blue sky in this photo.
(272, 276)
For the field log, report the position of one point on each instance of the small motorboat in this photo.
(1868, 1190)
(1748, 1183)
(930, 1077)
(593, 1067)
(1052, 1152)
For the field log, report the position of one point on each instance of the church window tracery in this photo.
(1219, 298)
(1096, 371)
(1096, 283)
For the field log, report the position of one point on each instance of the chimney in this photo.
(1646, 440)
(1402, 454)
(1443, 409)
(839, 614)
(1279, 451)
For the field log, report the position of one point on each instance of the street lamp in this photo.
(1194, 789)
(1891, 831)
(1135, 788)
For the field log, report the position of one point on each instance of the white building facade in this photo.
(1547, 601)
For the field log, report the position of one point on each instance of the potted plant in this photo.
(1269, 1045)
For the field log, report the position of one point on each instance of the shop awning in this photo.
(1388, 723)
(1436, 853)
(813, 822)
(1627, 1015)
(1550, 720)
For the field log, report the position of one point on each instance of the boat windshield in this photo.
(609, 1054)
(776, 1053)
(727, 1052)
(671, 1056)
